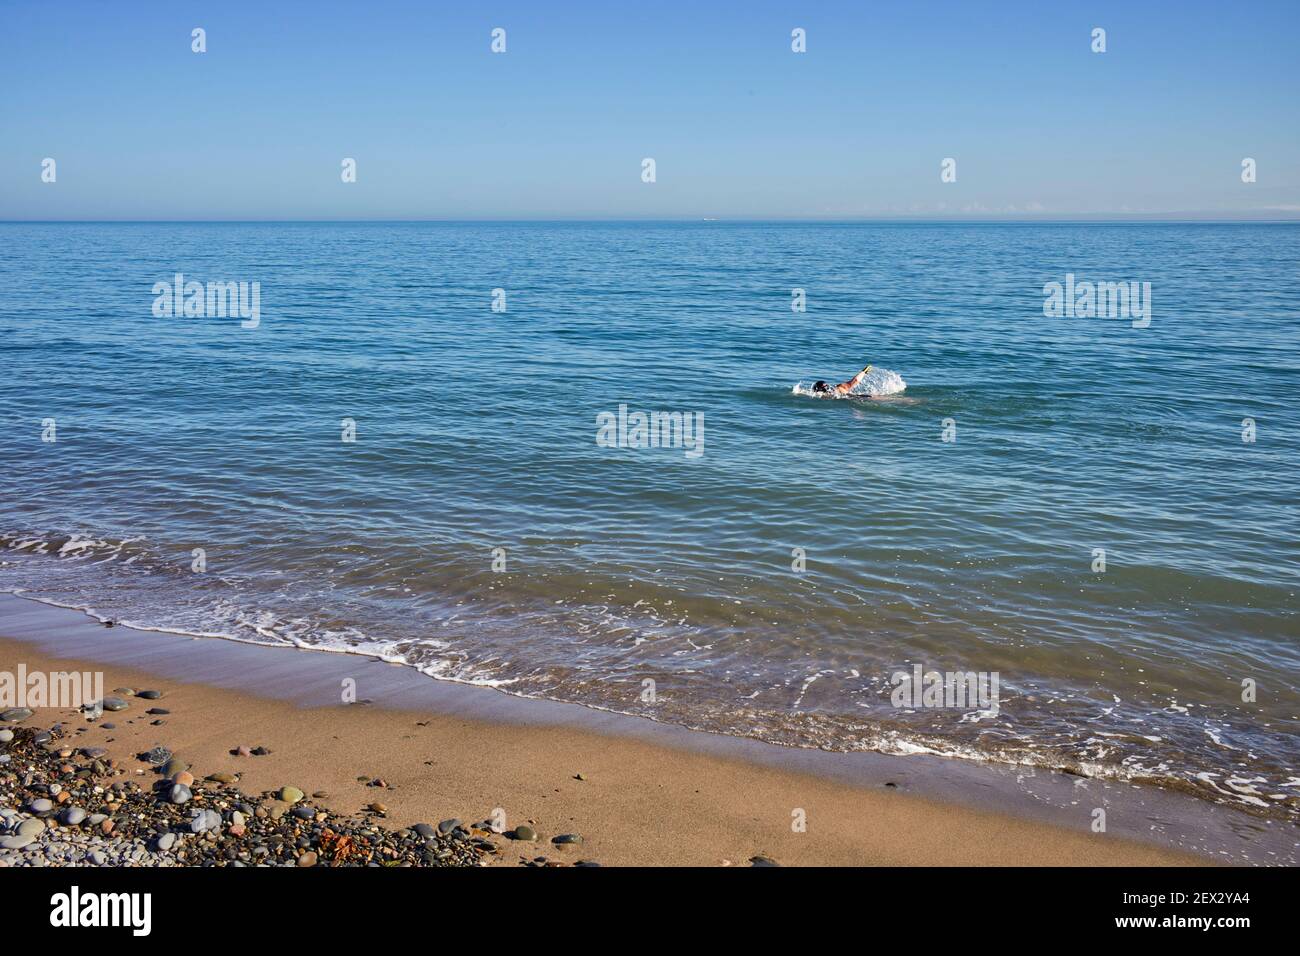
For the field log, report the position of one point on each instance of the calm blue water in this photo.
(476, 430)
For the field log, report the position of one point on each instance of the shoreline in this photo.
(649, 793)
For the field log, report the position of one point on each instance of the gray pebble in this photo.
(73, 816)
(204, 820)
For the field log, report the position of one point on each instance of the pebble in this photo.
(15, 714)
(6, 735)
(174, 766)
(115, 704)
(566, 839)
(72, 816)
(116, 816)
(290, 794)
(524, 832)
(157, 712)
(149, 694)
(201, 821)
(93, 752)
(222, 776)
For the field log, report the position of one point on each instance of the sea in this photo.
(582, 461)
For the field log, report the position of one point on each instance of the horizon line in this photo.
(1100, 219)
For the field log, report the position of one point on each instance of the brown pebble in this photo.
(184, 778)
(307, 859)
(107, 827)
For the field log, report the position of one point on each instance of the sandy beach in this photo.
(633, 801)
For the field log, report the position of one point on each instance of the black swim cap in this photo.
(820, 386)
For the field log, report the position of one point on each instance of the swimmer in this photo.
(843, 388)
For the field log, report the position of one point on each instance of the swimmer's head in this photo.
(820, 387)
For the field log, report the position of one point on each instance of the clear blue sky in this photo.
(739, 126)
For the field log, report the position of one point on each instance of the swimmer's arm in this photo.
(845, 387)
